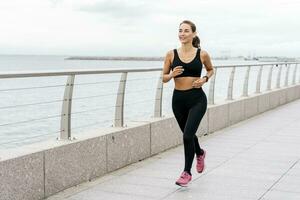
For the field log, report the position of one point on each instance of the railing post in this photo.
(246, 82)
(299, 73)
(294, 75)
(211, 92)
(65, 124)
(230, 84)
(258, 80)
(286, 82)
(270, 78)
(278, 77)
(158, 97)
(119, 111)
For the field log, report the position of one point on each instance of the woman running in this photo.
(189, 102)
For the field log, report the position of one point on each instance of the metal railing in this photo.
(66, 110)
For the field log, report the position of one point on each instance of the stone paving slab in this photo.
(255, 159)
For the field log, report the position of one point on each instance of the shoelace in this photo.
(183, 175)
(200, 158)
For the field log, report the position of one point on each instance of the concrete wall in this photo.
(35, 172)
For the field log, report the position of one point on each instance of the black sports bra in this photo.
(193, 68)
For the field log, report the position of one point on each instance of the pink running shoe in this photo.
(184, 179)
(200, 162)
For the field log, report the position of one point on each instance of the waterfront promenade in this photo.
(250, 136)
(257, 158)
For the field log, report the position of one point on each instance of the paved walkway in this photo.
(255, 159)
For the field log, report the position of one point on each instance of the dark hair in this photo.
(196, 39)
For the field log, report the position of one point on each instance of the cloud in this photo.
(118, 9)
(145, 27)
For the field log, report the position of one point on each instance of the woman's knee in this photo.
(188, 137)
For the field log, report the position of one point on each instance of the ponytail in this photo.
(196, 42)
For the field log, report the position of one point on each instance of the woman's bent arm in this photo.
(207, 63)
(167, 76)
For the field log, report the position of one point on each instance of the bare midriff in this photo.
(184, 83)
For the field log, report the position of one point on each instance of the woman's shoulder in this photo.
(204, 54)
(170, 54)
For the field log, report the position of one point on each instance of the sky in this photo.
(148, 27)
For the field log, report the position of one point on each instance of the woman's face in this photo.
(185, 33)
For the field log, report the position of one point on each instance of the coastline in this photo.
(115, 58)
(126, 58)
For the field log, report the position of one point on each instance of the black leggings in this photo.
(189, 107)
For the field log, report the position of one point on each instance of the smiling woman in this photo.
(189, 102)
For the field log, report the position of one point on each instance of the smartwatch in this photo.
(206, 78)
